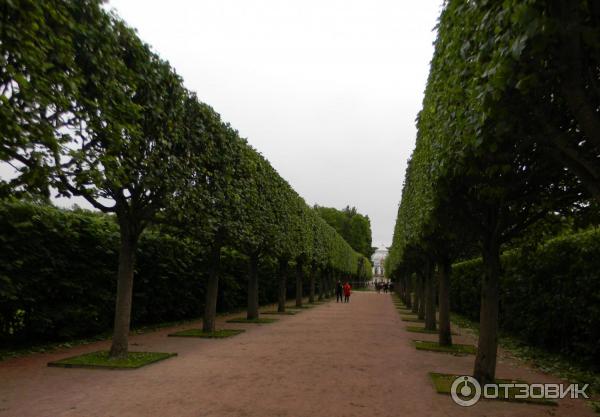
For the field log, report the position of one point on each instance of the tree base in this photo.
(217, 334)
(102, 360)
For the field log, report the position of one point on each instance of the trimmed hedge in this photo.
(550, 296)
(58, 276)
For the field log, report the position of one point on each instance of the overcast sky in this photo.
(327, 90)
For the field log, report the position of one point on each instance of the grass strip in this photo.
(436, 347)
(412, 320)
(443, 384)
(286, 312)
(101, 360)
(254, 321)
(217, 334)
(418, 329)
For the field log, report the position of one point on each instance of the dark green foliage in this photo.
(58, 275)
(354, 227)
(549, 296)
(57, 271)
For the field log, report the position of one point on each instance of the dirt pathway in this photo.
(333, 360)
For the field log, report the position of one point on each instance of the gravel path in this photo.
(333, 360)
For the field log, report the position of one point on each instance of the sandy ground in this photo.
(333, 360)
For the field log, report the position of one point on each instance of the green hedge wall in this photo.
(550, 296)
(58, 276)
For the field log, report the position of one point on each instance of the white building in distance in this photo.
(377, 260)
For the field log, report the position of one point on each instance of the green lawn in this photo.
(255, 321)
(217, 334)
(412, 319)
(435, 347)
(443, 383)
(418, 329)
(101, 360)
(286, 312)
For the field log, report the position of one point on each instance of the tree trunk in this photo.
(408, 289)
(299, 274)
(485, 361)
(320, 286)
(430, 309)
(445, 334)
(283, 272)
(311, 294)
(416, 301)
(212, 290)
(129, 240)
(421, 284)
(252, 312)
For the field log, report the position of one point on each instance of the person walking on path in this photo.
(347, 292)
(338, 291)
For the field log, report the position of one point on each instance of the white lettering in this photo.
(540, 391)
(522, 391)
(552, 391)
(494, 391)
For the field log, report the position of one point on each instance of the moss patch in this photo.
(455, 348)
(286, 312)
(443, 383)
(255, 321)
(217, 334)
(101, 360)
(412, 319)
(418, 329)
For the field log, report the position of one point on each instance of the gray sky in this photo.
(327, 90)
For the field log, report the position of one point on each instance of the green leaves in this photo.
(499, 98)
(88, 108)
(354, 227)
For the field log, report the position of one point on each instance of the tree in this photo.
(113, 135)
(354, 227)
(209, 208)
(483, 162)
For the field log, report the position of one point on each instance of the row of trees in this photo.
(508, 135)
(89, 110)
(354, 227)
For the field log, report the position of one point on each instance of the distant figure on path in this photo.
(347, 292)
(338, 291)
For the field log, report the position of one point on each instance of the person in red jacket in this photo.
(347, 292)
